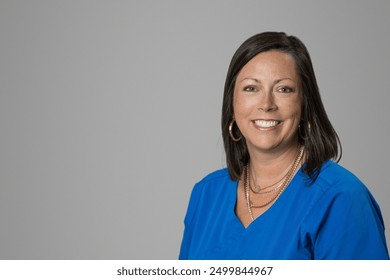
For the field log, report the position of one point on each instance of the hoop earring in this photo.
(235, 139)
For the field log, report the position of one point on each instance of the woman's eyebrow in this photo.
(258, 81)
(279, 80)
(248, 78)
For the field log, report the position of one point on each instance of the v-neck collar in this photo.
(274, 207)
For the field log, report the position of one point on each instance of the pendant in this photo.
(256, 188)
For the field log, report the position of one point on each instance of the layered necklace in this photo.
(283, 183)
(263, 190)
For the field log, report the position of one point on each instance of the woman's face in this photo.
(267, 101)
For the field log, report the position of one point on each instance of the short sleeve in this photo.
(347, 224)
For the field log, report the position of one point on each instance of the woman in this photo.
(281, 195)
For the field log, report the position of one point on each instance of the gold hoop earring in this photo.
(235, 139)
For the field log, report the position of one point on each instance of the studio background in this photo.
(110, 112)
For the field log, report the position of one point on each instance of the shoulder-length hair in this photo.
(315, 133)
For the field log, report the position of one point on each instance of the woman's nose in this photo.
(266, 102)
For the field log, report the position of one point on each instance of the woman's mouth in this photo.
(265, 124)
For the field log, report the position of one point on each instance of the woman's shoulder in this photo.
(336, 178)
(215, 180)
(215, 176)
(209, 190)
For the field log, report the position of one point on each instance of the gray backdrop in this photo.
(110, 112)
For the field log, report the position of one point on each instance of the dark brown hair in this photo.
(316, 133)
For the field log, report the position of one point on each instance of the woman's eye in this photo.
(249, 88)
(285, 89)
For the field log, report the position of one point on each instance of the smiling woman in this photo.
(267, 102)
(267, 105)
(281, 196)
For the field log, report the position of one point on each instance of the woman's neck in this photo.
(269, 166)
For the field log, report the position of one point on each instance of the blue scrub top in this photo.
(334, 218)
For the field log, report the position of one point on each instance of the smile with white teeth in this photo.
(266, 124)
